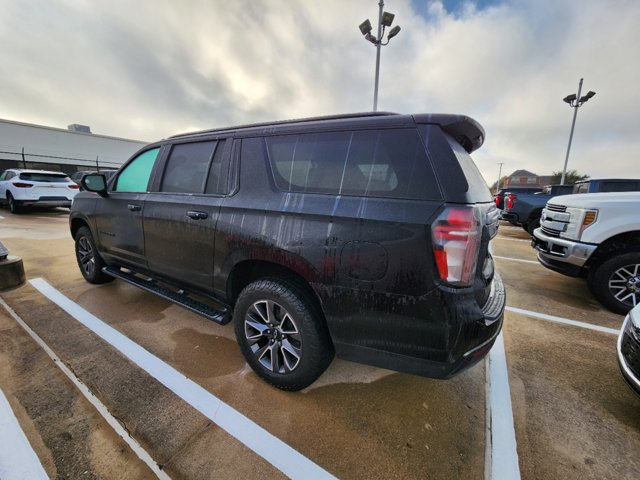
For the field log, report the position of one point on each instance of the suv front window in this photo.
(135, 176)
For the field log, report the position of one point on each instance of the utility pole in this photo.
(499, 176)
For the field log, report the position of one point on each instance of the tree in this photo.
(503, 180)
(571, 177)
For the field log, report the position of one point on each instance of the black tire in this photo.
(531, 226)
(88, 258)
(281, 333)
(615, 282)
(14, 205)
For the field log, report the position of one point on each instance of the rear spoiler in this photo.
(465, 130)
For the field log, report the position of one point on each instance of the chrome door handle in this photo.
(134, 208)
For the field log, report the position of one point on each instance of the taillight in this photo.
(456, 235)
(497, 199)
(511, 200)
(73, 186)
(22, 185)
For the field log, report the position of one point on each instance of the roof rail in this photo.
(285, 122)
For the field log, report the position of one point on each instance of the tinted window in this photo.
(619, 186)
(581, 188)
(217, 181)
(387, 163)
(135, 176)
(187, 167)
(478, 189)
(45, 177)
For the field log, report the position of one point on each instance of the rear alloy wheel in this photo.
(281, 334)
(14, 205)
(89, 260)
(616, 282)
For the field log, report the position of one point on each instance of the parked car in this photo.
(500, 196)
(525, 209)
(77, 176)
(20, 188)
(597, 236)
(366, 234)
(628, 348)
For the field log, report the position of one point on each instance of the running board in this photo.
(219, 316)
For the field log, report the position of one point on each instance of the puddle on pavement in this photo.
(200, 355)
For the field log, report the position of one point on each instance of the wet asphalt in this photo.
(573, 415)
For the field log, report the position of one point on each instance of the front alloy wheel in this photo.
(273, 336)
(624, 285)
(616, 281)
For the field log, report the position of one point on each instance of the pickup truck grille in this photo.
(550, 232)
(556, 208)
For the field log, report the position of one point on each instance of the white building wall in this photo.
(56, 146)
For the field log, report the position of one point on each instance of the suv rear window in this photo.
(45, 177)
(385, 163)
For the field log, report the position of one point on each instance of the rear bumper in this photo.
(628, 350)
(510, 217)
(561, 255)
(452, 334)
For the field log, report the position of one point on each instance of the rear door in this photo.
(49, 186)
(181, 212)
(119, 216)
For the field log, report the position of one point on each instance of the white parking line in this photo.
(102, 410)
(566, 321)
(275, 451)
(501, 457)
(512, 239)
(17, 458)
(517, 260)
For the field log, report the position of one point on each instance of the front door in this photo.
(119, 216)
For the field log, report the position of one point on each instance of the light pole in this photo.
(385, 19)
(575, 102)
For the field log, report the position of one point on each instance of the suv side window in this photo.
(619, 186)
(385, 163)
(186, 169)
(135, 176)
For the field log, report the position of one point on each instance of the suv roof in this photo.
(28, 170)
(465, 130)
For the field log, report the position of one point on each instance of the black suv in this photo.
(366, 235)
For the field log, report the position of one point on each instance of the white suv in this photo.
(20, 188)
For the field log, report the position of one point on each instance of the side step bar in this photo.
(219, 316)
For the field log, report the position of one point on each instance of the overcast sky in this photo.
(149, 69)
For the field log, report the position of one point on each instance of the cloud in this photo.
(150, 69)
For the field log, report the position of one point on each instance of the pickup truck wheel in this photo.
(616, 282)
(281, 334)
(89, 260)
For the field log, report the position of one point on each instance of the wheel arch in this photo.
(248, 271)
(622, 242)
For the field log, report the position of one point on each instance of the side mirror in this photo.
(95, 182)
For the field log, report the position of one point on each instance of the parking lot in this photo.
(178, 386)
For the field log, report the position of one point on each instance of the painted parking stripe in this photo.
(289, 461)
(517, 260)
(99, 406)
(17, 458)
(501, 458)
(512, 239)
(566, 321)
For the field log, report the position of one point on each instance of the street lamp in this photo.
(575, 102)
(385, 19)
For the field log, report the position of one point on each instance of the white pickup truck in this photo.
(597, 236)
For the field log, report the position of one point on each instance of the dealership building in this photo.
(24, 145)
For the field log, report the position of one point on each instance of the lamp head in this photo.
(387, 19)
(569, 98)
(586, 97)
(393, 32)
(365, 27)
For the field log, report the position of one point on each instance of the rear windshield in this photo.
(45, 177)
(374, 163)
(478, 189)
